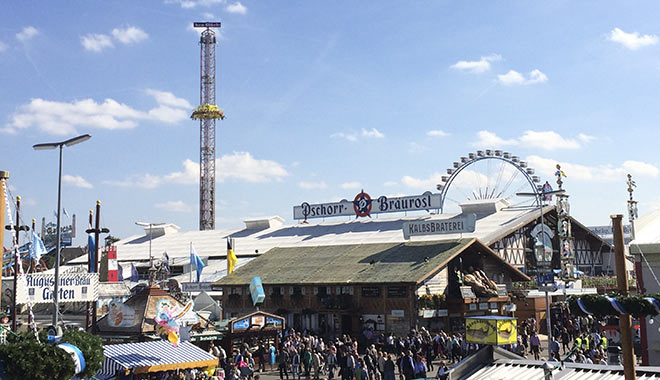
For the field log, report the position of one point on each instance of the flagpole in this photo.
(4, 175)
(90, 269)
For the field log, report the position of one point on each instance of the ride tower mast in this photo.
(207, 113)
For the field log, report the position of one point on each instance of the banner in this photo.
(73, 287)
(495, 330)
(257, 291)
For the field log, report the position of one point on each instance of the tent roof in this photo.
(154, 356)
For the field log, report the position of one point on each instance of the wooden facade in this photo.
(517, 247)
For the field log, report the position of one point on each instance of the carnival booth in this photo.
(137, 361)
(254, 329)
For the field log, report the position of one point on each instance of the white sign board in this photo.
(196, 287)
(363, 206)
(73, 287)
(456, 225)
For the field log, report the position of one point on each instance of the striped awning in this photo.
(153, 356)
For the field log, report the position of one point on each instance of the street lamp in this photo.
(151, 258)
(48, 146)
(543, 254)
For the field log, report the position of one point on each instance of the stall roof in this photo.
(154, 356)
(114, 289)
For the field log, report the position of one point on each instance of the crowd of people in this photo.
(303, 355)
(307, 356)
(579, 339)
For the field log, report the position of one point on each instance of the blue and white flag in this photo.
(37, 248)
(64, 212)
(166, 261)
(196, 261)
(91, 250)
(135, 276)
(120, 273)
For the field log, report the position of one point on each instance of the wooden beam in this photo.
(625, 321)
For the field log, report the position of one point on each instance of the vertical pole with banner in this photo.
(4, 175)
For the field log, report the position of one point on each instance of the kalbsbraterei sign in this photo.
(73, 287)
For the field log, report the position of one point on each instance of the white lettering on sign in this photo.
(74, 287)
(460, 224)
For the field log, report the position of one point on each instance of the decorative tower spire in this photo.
(566, 248)
(632, 206)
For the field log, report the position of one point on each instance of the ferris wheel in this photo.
(488, 174)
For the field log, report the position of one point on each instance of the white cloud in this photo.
(237, 8)
(415, 148)
(546, 140)
(96, 42)
(632, 41)
(476, 67)
(27, 33)
(515, 78)
(585, 138)
(62, 118)
(372, 133)
(437, 133)
(187, 4)
(242, 166)
(312, 185)
(238, 165)
(174, 206)
(76, 181)
(351, 185)
(168, 99)
(536, 76)
(390, 183)
(3, 46)
(510, 78)
(600, 173)
(129, 35)
(422, 183)
(489, 139)
(348, 136)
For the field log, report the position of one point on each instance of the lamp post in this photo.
(151, 258)
(544, 256)
(49, 146)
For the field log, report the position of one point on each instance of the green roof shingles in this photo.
(406, 262)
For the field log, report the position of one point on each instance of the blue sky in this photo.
(323, 99)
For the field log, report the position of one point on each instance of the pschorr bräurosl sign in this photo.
(73, 287)
(363, 205)
(455, 225)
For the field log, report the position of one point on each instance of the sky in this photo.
(323, 99)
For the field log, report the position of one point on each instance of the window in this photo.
(322, 291)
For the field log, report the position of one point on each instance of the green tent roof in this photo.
(409, 262)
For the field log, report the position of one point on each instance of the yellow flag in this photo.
(231, 257)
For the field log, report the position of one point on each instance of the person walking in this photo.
(283, 363)
(388, 368)
(443, 371)
(331, 361)
(295, 364)
(535, 344)
(271, 361)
